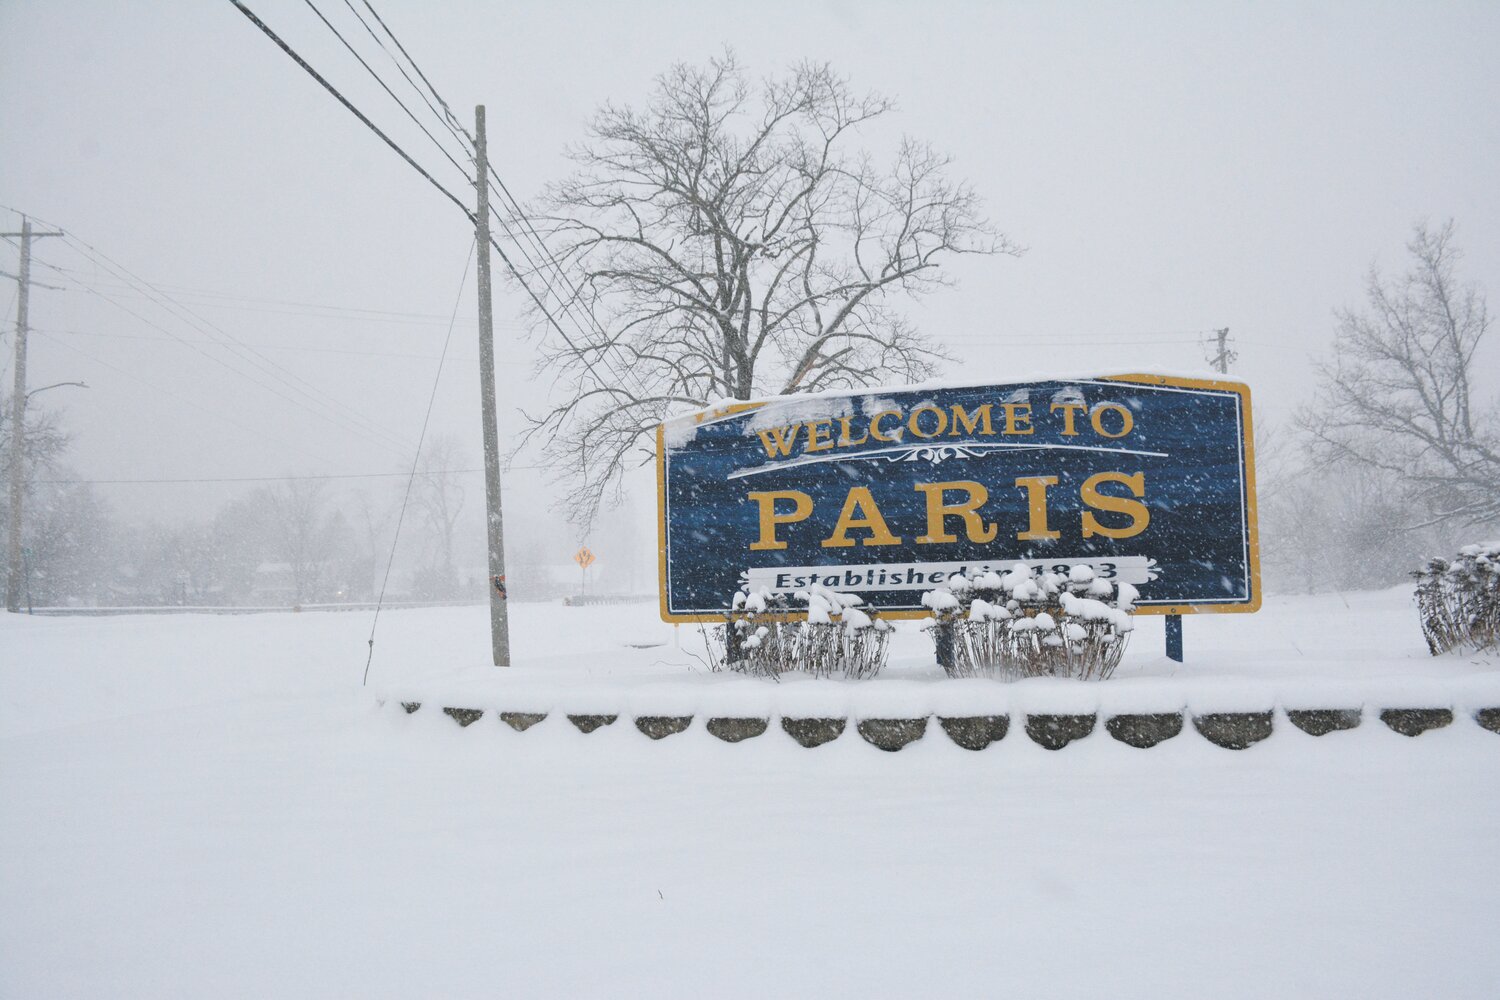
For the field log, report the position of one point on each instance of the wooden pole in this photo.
(499, 617)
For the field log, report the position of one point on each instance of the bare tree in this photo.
(45, 443)
(307, 534)
(1398, 394)
(725, 242)
(1339, 527)
(439, 496)
(371, 522)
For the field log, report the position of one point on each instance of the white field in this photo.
(203, 806)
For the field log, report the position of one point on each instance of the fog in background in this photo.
(1171, 169)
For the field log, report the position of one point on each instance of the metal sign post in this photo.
(1174, 637)
(584, 558)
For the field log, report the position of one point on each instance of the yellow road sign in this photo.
(584, 558)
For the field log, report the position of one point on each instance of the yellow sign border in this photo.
(1247, 442)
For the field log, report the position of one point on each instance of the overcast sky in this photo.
(1171, 168)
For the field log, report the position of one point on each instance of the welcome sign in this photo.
(1148, 479)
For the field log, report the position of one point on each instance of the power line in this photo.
(1052, 342)
(389, 436)
(312, 310)
(250, 479)
(9, 323)
(244, 301)
(169, 394)
(545, 251)
(221, 338)
(198, 348)
(208, 480)
(378, 79)
(567, 310)
(565, 302)
(446, 110)
(345, 102)
(447, 119)
(605, 385)
(401, 318)
(280, 347)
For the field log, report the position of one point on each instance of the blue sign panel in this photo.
(1148, 479)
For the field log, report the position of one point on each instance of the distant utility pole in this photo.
(499, 618)
(15, 568)
(1225, 355)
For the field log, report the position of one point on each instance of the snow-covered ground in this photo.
(204, 806)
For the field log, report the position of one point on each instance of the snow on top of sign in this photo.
(1067, 394)
(784, 410)
(678, 432)
(682, 427)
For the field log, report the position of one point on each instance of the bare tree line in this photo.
(296, 542)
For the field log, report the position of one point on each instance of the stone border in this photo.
(1056, 731)
(661, 726)
(734, 729)
(892, 734)
(1234, 730)
(1051, 731)
(589, 723)
(1144, 731)
(813, 732)
(1416, 721)
(1322, 721)
(976, 732)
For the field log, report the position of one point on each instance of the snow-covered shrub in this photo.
(824, 632)
(759, 636)
(840, 638)
(1027, 624)
(1459, 601)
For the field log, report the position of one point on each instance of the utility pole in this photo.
(499, 619)
(1225, 355)
(15, 571)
